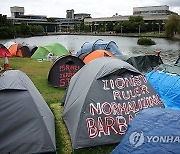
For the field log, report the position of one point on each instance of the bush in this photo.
(145, 41)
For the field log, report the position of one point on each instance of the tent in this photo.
(8, 44)
(56, 49)
(32, 49)
(177, 63)
(166, 81)
(99, 44)
(97, 54)
(102, 98)
(144, 63)
(153, 130)
(4, 51)
(27, 123)
(63, 69)
(19, 50)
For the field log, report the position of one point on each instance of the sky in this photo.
(103, 8)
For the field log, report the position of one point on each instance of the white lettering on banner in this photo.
(108, 117)
(121, 83)
(95, 128)
(123, 108)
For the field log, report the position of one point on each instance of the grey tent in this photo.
(27, 123)
(102, 98)
(177, 63)
(144, 63)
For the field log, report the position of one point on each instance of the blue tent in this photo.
(152, 131)
(167, 86)
(99, 44)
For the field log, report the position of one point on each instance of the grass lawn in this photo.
(38, 73)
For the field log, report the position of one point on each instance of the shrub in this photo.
(145, 41)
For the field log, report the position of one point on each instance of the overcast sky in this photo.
(103, 8)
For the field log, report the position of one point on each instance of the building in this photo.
(81, 16)
(157, 14)
(16, 11)
(72, 21)
(152, 10)
(70, 14)
(18, 16)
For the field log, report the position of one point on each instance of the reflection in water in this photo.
(128, 45)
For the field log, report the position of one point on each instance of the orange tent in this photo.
(19, 50)
(97, 54)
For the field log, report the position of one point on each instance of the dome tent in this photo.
(97, 54)
(27, 123)
(165, 79)
(56, 49)
(63, 69)
(154, 130)
(102, 98)
(8, 44)
(4, 51)
(19, 50)
(144, 63)
(99, 44)
(32, 49)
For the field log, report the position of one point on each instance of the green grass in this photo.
(38, 73)
(160, 35)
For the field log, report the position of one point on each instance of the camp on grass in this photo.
(38, 73)
(135, 85)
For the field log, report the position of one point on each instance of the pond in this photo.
(170, 49)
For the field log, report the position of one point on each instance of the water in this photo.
(128, 45)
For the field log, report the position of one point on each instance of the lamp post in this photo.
(60, 27)
(139, 29)
(159, 28)
(121, 29)
(46, 29)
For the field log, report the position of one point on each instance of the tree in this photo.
(3, 20)
(133, 25)
(7, 32)
(109, 26)
(172, 25)
(25, 29)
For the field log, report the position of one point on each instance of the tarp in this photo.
(97, 54)
(19, 50)
(102, 98)
(152, 131)
(167, 86)
(99, 44)
(4, 51)
(27, 123)
(56, 49)
(144, 63)
(63, 69)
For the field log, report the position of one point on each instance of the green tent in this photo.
(56, 49)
